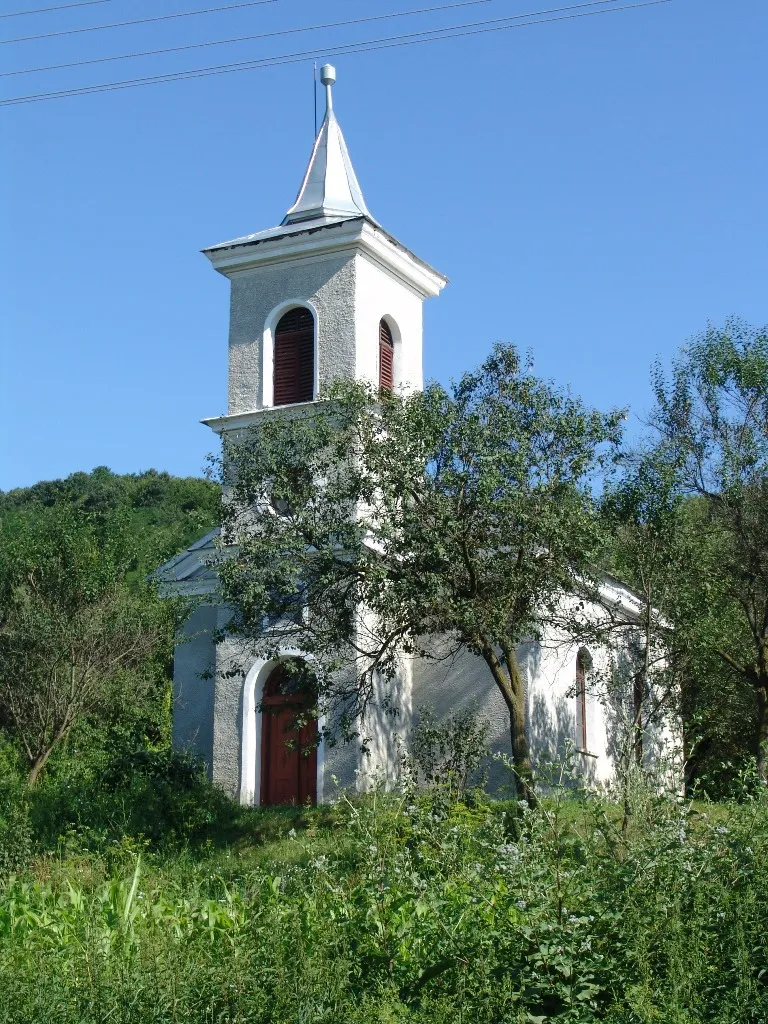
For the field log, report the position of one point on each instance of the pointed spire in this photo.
(330, 187)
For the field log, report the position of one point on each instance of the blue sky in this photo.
(595, 189)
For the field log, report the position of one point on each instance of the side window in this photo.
(386, 357)
(294, 379)
(583, 662)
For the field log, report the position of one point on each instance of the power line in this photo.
(387, 42)
(58, 7)
(250, 38)
(139, 21)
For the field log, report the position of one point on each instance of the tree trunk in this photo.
(37, 766)
(521, 752)
(510, 685)
(39, 762)
(638, 695)
(762, 731)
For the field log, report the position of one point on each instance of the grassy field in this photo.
(400, 908)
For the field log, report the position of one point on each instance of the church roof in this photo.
(191, 572)
(330, 187)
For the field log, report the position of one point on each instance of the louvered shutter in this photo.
(581, 703)
(386, 357)
(294, 379)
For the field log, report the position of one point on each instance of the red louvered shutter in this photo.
(386, 357)
(294, 379)
(581, 702)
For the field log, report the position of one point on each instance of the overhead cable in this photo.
(387, 42)
(58, 7)
(250, 38)
(138, 21)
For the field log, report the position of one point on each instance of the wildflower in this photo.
(521, 904)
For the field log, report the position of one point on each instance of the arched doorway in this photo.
(288, 752)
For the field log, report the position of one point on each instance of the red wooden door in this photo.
(288, 754)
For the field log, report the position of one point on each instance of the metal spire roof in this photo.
(330, 187)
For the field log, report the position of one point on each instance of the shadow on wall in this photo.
(551, 725)
(660, 751)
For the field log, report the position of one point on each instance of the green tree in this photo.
(712, 415)
(75, 639)
(162, 514)
(365, 527)
(658, 546)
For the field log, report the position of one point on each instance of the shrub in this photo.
(162, 797)
(447, 755)
(16, 842)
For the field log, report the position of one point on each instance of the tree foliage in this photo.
(711, 423)
(76, 639)
(363, 528)
(161, 513)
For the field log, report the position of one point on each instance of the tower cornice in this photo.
(311, 239)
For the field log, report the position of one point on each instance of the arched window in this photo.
(386, 357)
(583, 664)
(294, 358)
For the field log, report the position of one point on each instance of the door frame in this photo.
(251, 731)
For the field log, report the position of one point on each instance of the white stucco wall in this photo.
(380, 295)
(549, 672)
(194, 667)
(324, 283)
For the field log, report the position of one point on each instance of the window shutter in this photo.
(294, 375)
(581, 703)
(386, 357)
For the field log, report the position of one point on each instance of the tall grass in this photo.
(391, 909)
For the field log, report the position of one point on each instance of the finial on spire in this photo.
(330, 187)
(328, 77)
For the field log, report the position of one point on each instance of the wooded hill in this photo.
(164, 513)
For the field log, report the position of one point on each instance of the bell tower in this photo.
(327, 294)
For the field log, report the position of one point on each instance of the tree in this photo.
(655, 545)
(362, 528)
(75, 639)
(712, 414)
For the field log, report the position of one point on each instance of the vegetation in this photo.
(162, 514)
(686, 527)
(464, 514)
(84, 639)
(396, 908)
(712, 420)
(75, 639)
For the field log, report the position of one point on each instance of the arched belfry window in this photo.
(294, 358)
(386, 357)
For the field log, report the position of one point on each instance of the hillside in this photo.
(165, 513)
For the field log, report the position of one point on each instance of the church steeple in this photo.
(330, 187)
(327, 295)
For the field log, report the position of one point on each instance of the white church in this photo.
(330, 294)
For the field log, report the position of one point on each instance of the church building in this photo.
(330, 294)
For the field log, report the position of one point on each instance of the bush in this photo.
(161, 797)
(16, 842)
(390, 908)
(446, 756)
(400, 914)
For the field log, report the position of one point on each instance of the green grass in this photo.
(398, 908)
